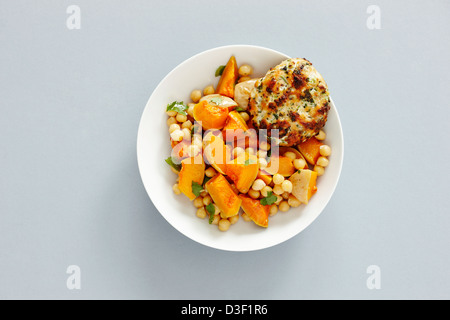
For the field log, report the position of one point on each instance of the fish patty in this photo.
(293, 98)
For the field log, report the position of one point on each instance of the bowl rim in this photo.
(140, 164)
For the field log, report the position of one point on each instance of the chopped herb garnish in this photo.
(216, 100)
(205, 180)
(285, 80)
(239, 109)
(249, 161)
(269, 200)
(170, 162)
(179, 107)
(219, 71)
(196, 188)
(211, 210)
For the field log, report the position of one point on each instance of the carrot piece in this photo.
(228, 78)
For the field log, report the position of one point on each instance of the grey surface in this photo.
(70, 190)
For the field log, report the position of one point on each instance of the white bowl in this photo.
(153, 147)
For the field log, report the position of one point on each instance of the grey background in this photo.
(70, 190)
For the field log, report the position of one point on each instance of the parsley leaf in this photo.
(239, 109)
(249, 161)
(179, 107)
(219, 71)
(211, 210)
(196, 188)
(205, 180)
(216, 100)
(170, 162)
(269, 200)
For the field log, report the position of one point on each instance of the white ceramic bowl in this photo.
(153, 147)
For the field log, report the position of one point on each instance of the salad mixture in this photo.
(250, 147)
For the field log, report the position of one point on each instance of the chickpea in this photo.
(261, 154)
(207, 200)
(277, 189)
(254, 193)
(186, 134)
(196, 95)
(273, 210)
(290, 155)
(265, 191)
(246, 217)
(250, 151)
(245, 116)
(325, 150)
(234, 219)
(224, 224)
(190, 109)
(204, 193)
(177, 135)
(321, 135)
(258, 184)
(320, 170)
(299, 163)
(193, 150)
(173, 127)
(198, 202)
(284, 206)
(216, 209)
(322, 161)
(279, 199)
(181, 117)
(208, 90)
(216, 219)
(176, 189)
(278, 178)
(264, 145)
(245, 70)
(285, 195)
(210, 172)
(187, 125)
(287, 186)
(293, 201)
(242, 79)
(171, 113)
(262, 163)
(201, 213)
(171, 121)
(237, 151)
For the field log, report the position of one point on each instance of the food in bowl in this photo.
(251, 146)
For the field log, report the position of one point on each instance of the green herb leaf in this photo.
(196, 188)
(179, 107)
(239, 109)
(170, 162)
(269, 200)
(216, 100)
(205, 180)
(211, 210)
(249, 161)
(219, 71)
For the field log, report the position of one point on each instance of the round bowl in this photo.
(153, 147)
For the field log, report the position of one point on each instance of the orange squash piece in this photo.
(298, 155)
(235, 126)
(210, 115)
(255, 210)
(282, 165)
(310, 149)
(228, 78)
(243, 171)
(192, 169)
(216, 152)
(223, 196)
